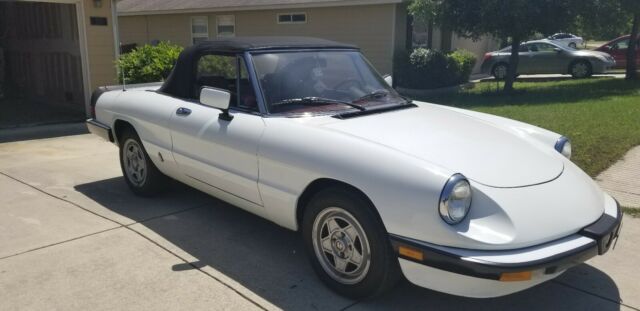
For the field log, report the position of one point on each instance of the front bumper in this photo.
(487, 273)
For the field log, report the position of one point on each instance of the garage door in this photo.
(40, 64)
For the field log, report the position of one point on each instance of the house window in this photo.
(292, 18)
(226, 26)
(199, 29)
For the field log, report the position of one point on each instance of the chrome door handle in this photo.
(183, 111)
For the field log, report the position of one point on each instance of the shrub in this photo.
(148, 63)
(430, 69)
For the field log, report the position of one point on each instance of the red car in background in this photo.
(618, 49)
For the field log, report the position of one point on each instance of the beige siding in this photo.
(100, 45)
(370, 27)
(133, 29)
(479, 47)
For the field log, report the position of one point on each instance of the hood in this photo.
(592, 53)
(483, 152)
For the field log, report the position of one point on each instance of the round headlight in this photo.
(455, 199)
(563, 145)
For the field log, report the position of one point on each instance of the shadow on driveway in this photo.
(270, 261)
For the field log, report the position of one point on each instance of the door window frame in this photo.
(239, 58)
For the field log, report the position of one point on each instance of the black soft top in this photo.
(181, 80)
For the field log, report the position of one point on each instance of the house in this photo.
(380, 28)
(52, 54)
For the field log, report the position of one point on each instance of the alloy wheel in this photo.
(341, 245)
(135, 164)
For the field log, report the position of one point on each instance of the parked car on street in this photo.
(567, 40)
(305, 133)
(544, 57)
(617, 48)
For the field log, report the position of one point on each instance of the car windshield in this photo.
(321, 82)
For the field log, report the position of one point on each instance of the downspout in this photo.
(114, 26)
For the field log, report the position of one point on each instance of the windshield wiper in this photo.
(373, 95)
(318, 100)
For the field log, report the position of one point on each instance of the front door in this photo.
(547, 59)
(216, 152)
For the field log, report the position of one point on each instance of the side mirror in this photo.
(558, 50)
(216, 98)
(388, 79)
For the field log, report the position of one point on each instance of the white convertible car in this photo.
(306, 134)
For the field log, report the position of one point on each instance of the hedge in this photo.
(431, 69)
(148, 63)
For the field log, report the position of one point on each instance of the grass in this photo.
(632, 211)
(600, 115)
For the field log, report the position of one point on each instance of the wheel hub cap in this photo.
(134, 162)
(341, 245)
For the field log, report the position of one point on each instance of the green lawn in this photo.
(601, 116)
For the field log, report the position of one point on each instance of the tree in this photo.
(632, 6)
(426, 12)
(514, 19)
(601, 20)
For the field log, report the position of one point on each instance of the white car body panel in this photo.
(266, 164)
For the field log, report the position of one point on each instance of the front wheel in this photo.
(348, 246)
(580, 69)
(573, 45)
(141, 175)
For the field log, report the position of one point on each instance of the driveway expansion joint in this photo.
(619, 302)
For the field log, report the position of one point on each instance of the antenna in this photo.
(124, 79)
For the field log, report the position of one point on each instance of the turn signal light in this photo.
(411, 253)
(515, 276)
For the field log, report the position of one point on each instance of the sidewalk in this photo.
(622, 180)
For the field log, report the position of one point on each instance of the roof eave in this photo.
(263, 7)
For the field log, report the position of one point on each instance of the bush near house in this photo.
(148, 63)
(431, 69)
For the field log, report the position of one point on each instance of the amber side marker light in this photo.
(515, 276)
(411, 253)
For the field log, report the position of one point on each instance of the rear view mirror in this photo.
(388, 79)
(217, 98)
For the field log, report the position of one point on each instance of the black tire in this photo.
(383, 267)
(154, 181)
(581, 69)
(500, 71)
(573, 45)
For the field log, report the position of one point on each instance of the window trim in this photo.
(218, 18)
(199, 35)
(291, 14)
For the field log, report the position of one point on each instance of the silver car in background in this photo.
(544, 57)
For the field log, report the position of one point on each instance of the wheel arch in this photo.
(498, 63)
(119, 126)
(323, 183)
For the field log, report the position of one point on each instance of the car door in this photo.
(210, 150)
(549, 60)
(525, 60)
(619, 52)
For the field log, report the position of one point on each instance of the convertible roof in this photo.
(181, 79)
(242, 44)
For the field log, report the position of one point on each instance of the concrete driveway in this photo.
(73, 237)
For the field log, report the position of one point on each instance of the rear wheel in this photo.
(500, 71)
(580, 69)
(348, 246)
(141, 175)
